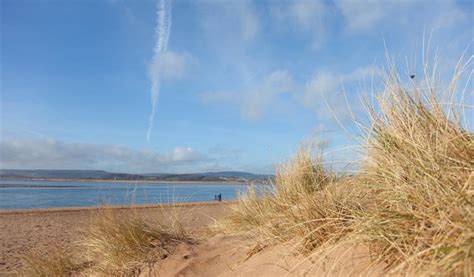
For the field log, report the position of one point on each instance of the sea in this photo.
(28, 194)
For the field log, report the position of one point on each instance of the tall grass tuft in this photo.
(60, 264)
(122, 245)
(307, 202)
(412, 201)
(420, 163)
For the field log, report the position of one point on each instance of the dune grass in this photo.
(412, 200)
(124, 245)
(304, 203)
(420, 163)
(36, 264)
(115, 244)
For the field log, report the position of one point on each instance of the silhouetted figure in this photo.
(219, 197)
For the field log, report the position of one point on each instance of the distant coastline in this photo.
(223, 177)
(211, 182)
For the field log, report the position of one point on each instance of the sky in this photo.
(196, 86)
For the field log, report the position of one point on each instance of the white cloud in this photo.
(368, 15)
(186, 154)
(278, 90)
(230, 29)
(47, 153)
(229, 22)
(362, 15)
(250, 24)
(450, 15)
(171, 65)
(304, 16)
(325, 88)
(256, 100)
(323, 84)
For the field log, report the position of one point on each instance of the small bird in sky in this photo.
(412, 76)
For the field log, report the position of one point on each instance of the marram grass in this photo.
(411, 202)
(124, 245)
(114, 245)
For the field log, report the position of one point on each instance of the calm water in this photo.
(47, 194)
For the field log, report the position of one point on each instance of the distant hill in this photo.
(237, 174)
(63, 174)
(105, 175)
(210, 175)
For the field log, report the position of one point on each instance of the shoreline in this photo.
(115, 207)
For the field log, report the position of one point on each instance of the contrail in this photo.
(162, 34)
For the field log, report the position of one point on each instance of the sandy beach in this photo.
(44, 231)
(48, 231)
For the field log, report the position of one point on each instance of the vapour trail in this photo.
(162, 33)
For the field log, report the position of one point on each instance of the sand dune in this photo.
(234, 256)
(46, 231)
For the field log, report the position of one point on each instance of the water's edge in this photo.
(28, 194)
(113, 207)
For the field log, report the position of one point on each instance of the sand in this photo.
(236, 256)
(47, 230)
(44, 231)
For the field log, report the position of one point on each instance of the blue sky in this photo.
(242, 83)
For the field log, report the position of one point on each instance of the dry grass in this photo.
(123, 245)
(420, 163)
(60, 264)
(307, 202)
(412, 201)
(115, 245)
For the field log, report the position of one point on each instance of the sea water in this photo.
(25, 194)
